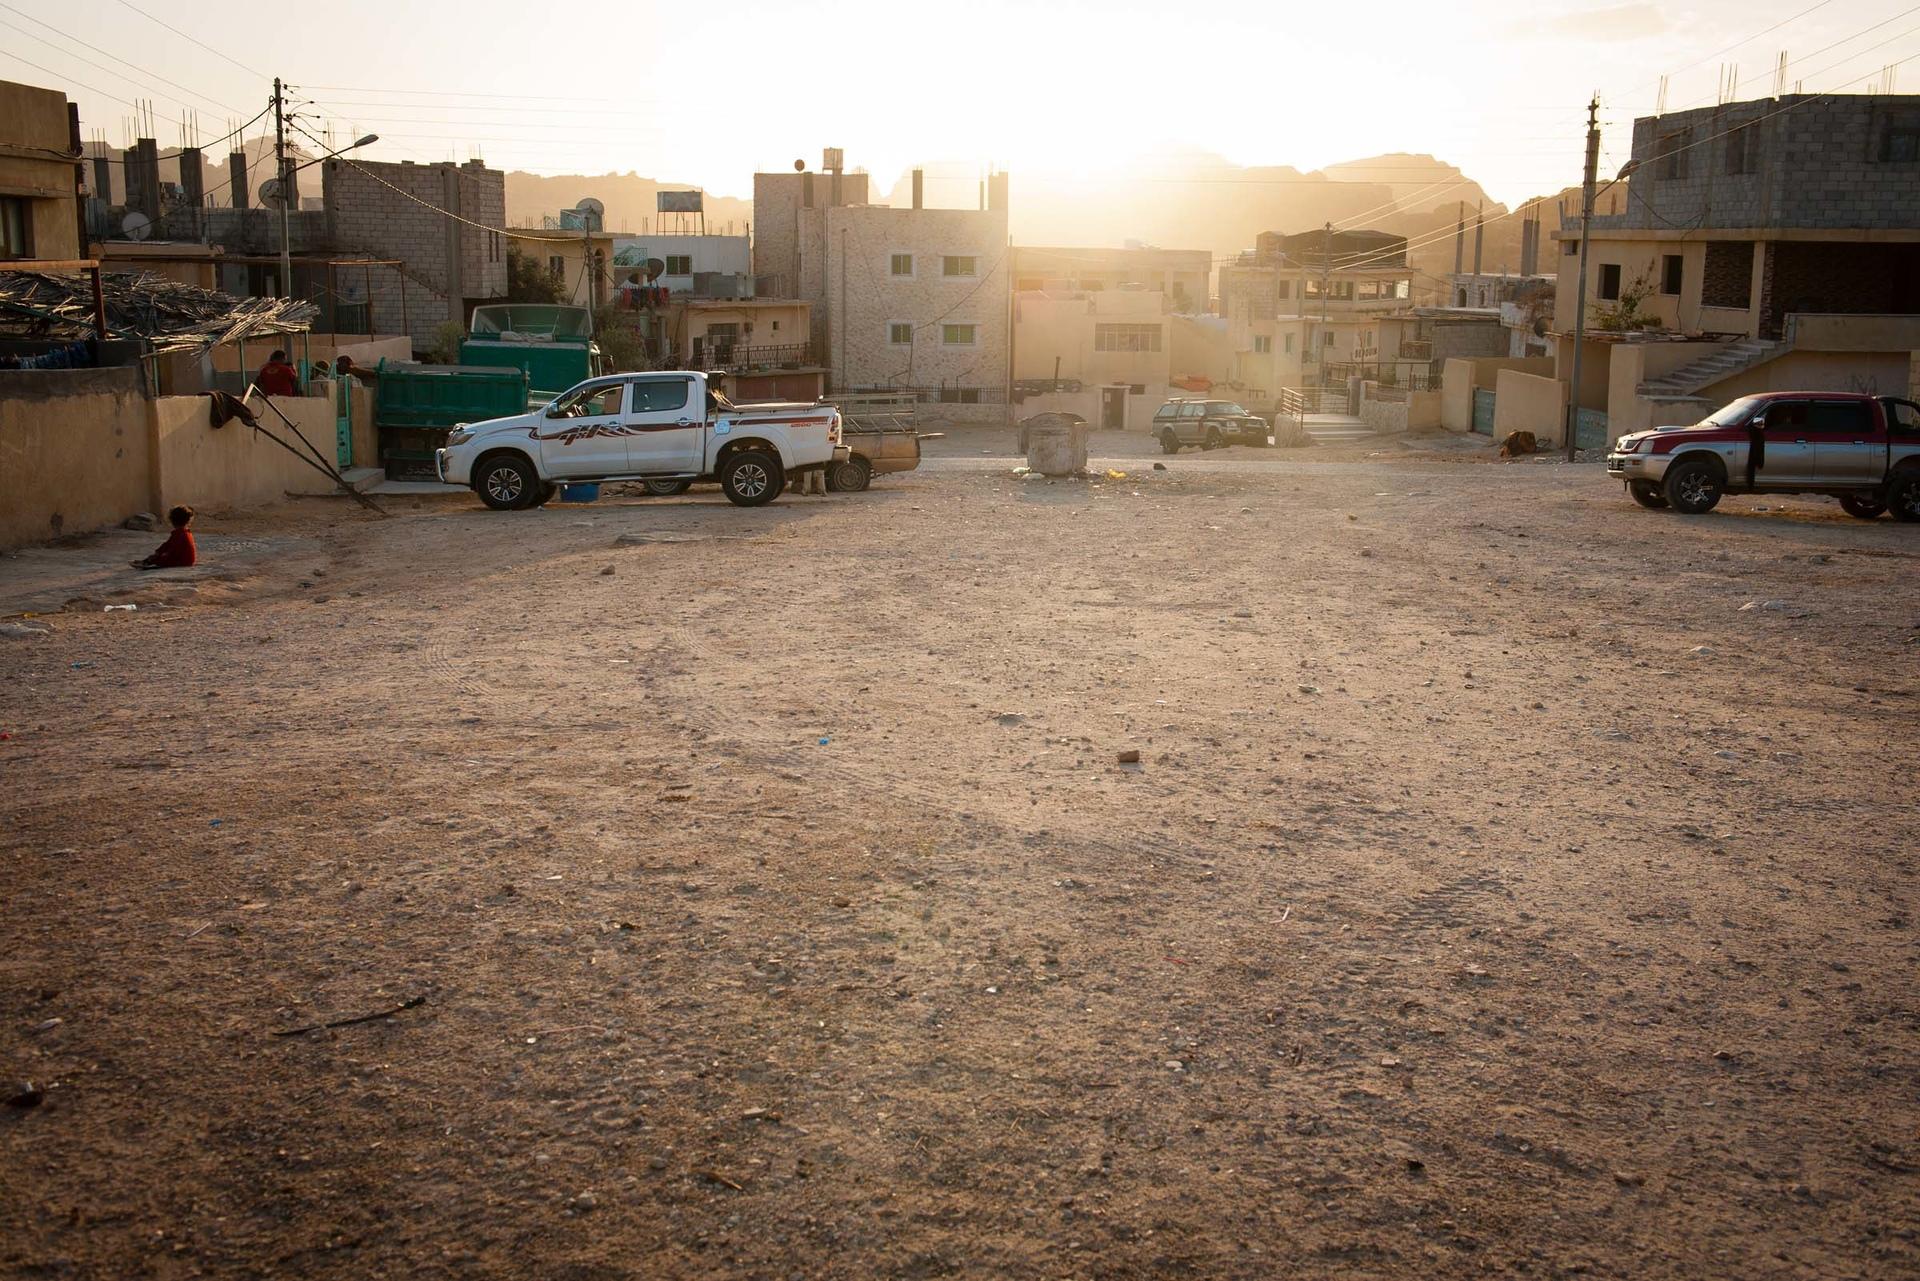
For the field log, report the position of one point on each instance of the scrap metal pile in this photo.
(171, 316)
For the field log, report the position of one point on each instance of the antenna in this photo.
(1780, 75)
(1660, 100)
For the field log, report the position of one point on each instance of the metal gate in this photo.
(1483, 411)
(343, 422)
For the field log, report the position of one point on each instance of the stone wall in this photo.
(73, 451)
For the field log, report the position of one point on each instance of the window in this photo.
(1672, 155)
(493, 247)
(1289, 344)
(1126, 338)
(957, 335)
(1326, 338)
(658, 395)
(1262, 343)
(1743, 150)
(1610, 281)
(1136, 389)
(557, 267)
(1283, 289)
(959, 265)
(1672, 273)
(1904, 415)
(900, 265)
(1193, 409)
(1850, 418)
(14, 241)
(679, 265)
(1899, 139)
(959, 395)
(1569, 248)
(900, 333)
(596, 401)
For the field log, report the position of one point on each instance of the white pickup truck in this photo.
(668, 429)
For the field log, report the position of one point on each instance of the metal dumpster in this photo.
(419, 404)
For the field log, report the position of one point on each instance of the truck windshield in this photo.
(1734, 414)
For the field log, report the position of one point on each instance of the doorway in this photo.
(1113, 408)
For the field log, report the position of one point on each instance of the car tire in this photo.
(1169, 443)
(1863, 506)
(752, 478)
(546, 493)
(1693, 487)
(1903, 495)
(665, 488)
(849, 477)
(1214, 439)
(1647, 494)
(506, 482)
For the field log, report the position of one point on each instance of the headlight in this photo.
(458, 436)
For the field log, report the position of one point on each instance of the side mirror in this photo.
(1759, 421)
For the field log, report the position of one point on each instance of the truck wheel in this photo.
(751, 478)
(1213, 439)
(1865, 506)
(1693, 486)
(544, 494)
(849, 477)
(1903, 495)
(1169, 443)
(1647, 494)
(666, 488)
(506, 482)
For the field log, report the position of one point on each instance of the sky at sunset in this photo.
(1072, 92)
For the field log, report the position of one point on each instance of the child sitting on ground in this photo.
(178, 551)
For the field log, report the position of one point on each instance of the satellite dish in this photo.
(270, 194)
(655, 269)
(591, 205)
(799, 166)
(136, 226)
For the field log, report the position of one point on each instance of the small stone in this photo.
(1723, 1055)
(1159, 466)
(656, 1163)
(1176, 1065)
(48, 1025)
(606, 571)
(1701, 651)
(1366, 551)
(1243, 613)
(1131, 756)
(23, 1094)
(1629, 1178)
(1415, 1165)
(141, 521)
(584, 1201)
(1309, 689)
(1388, 1061)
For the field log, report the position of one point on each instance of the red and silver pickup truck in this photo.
(663, 428)
(1863, 450)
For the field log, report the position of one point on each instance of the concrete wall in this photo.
(1460, 375)
(37, 118)
(1183, 275)
(1064, 327)
(73, 452)
(1198, 347)
(777, 248)
(1814, 332)
(1529, 402)
(1879, 373)
(220, 469)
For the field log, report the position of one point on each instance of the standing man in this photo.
(277, 377)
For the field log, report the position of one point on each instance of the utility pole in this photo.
(1580, 292)
(1326, 287)
(280, 169)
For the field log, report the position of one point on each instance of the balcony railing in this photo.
(738, 358)
(1416, 349)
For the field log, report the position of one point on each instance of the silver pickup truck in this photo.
(1863, 450)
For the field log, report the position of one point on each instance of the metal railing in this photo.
(738, 358)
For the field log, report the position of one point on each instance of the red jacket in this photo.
(277, 378)
(176, 553)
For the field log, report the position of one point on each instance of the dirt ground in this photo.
(1497, 893)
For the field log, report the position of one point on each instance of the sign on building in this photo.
(678, 202)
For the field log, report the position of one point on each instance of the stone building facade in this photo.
(39, 190)
(392, 211)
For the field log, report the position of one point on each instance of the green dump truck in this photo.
(419, 404)
(552, 343)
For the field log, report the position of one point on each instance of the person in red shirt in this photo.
(178, 551)
(277, 377)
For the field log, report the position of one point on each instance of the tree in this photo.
(619, 341)
(529, 281)
(1623, 314)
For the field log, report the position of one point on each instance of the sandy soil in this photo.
(1495, 894)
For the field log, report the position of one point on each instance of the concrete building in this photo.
(1185, 276)
(452, 264)
(40, 176)
(911, 299)
(1765, 244)
(685, 257)
(581, 264)
(759, 347)
(1105, 354)
(1302, 310)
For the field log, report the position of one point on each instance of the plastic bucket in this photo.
(579, 493)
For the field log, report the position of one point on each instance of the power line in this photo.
(69, 79)
(1729, 49)
(109, 70)
(194, 39)
(1702, 101)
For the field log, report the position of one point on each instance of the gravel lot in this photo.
(1512, 882)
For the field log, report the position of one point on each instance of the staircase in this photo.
(1686, 382)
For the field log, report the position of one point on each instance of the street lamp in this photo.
(286, 233)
